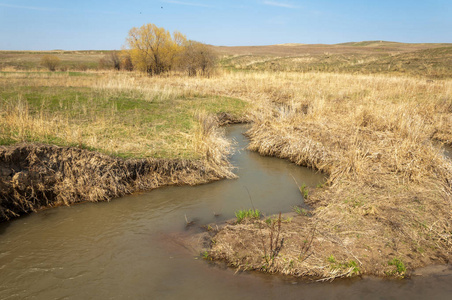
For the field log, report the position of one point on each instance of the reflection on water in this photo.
(126, 249)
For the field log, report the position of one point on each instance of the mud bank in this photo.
(33, 176)
(228, 119)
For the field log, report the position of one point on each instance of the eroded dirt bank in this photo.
(37, 176)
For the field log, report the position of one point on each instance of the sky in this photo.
(104, 25)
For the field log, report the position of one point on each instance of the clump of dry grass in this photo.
(87, 112)
(210, 142)
(37, 176)
(389, 189)
(116, 113)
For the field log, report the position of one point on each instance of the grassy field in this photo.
(373, 116)
(370, 57)
(117, 114)
(31, 60)
(432, 61)
(389, 190)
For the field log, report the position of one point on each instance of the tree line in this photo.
(153, 50)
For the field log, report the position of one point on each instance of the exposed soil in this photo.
(228, 119)
(38, 176)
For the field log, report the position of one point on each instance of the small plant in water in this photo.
(250, 214)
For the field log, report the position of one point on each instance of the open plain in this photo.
(372, 116)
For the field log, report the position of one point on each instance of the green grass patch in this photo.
(351, 265)
(135, 125)
(247, 214)
(400, 269)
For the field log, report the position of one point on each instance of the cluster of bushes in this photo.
(155, 51)
(50, 62)
(117, 61)
(53, 63)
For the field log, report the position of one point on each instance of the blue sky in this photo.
(98, 24)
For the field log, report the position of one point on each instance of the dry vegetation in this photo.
(31, 60)
(127, 115)
(389, 189)
(40, 176)
(121, 114)
(423, 60)
(387, 204)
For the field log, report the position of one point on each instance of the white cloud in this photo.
(280, 4)
(187, 3)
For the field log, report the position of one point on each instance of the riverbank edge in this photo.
(37, 176)
(309, 245)
(201, 243)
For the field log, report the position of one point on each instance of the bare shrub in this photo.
(82, 67)
(126, 61)
(197, 59)
(103, 64)
(50, 62)
(110, 61)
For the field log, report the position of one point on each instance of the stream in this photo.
(129, 247)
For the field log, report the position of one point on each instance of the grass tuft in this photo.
(400, 269)
(247, 214)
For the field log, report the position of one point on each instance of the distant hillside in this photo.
(372, 44)
(367, 57)
(365, 47)
(73, 60)
(370, 57)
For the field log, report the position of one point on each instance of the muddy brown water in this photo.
(129, 247)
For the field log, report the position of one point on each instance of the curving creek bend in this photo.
(132, 247)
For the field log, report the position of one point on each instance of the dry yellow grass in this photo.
(121, 114)
(389, 189)
(35, 176)
(121, 119)
(377, 136)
